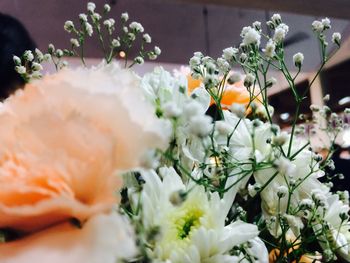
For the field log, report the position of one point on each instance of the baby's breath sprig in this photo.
(56, 56)
(105, 30)
(29, 65)
(126, 40)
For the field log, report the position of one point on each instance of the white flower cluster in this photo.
(29, 66)
(110, 45)
(288, 170)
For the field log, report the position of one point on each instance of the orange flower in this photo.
(235, 93)
(274, 253)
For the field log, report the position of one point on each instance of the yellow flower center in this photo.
(185, 223)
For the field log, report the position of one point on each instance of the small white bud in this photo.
(125, 17)
(146, 38)
(306, 204)
(68, 26)
(91, 7)
(51, 48)
(152, 56)
(250, 36)
(243, 57)
(136, 26)
(157, 50)
(336, 38)
(270, 49)
(17, 60)
(317, 26)
(282, 191)
(107, 8)
(139, 60)
(249, 80)
(83, 17)
(223, 65)
(36, 66)
(74, 42)
(21, 69)
(28, 55)
(280, 139)
(257, 25)
(194, 62)
(276, 19)
(326, 23)
(298, 59)
(280, 32)
(59, 53)
(39, 54)
(326, 98)
(115, 43)
(36, 75)
(229, 53)
(132, 36)
(272, 81)
(96, 17)
(88, 28)
(109, 23)
(234, 78)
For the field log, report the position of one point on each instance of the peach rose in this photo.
(103, 239)
(63, 139)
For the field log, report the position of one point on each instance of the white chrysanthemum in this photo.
(242, 148)
(194, 230)
(164, 90)
(303, 169)
(160, 87)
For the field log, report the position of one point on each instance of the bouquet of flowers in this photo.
(101, 165)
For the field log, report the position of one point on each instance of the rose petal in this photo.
(104, 238)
